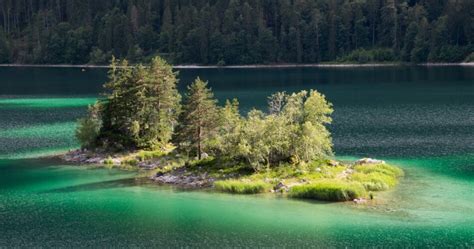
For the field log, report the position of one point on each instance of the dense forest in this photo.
(227, 32)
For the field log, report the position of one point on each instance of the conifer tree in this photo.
(142, 106)
(199, 119)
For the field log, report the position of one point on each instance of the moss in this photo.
(329, 190)
(241, 187)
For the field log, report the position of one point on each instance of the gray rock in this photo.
(333, 163)
(204, 155)
(280, 187)
(359, 201)
(368, 161)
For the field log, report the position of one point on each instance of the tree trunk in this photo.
(395, 28)
(199, 143)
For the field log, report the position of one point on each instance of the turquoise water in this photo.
(416, 117)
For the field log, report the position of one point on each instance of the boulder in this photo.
(95, 160)
(280, 187)
(333, 163)
(369, 161)
(360, 201)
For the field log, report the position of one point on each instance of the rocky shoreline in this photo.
(180, 176)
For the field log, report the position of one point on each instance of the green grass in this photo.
(147, 155)
(377, 177)
(380, 168)
(240, 187)
(329, 190)
(375, 181)
(309, 172)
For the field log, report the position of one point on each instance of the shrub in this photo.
(329, 191)
(147, 155)
(240, 187)
(88, 128)
(108, 161)
(205, 162)
(131, 162)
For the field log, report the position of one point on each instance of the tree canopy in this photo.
(235, 31)
(198, 121)
(142, 109)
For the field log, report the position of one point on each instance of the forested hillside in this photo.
(236, 31)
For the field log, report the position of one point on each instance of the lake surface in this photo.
(419, 118)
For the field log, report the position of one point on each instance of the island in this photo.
(144, 123)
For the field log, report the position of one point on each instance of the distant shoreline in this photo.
(322, 65)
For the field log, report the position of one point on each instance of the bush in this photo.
(329, 190)
(208, 162)
(87, 131)
(147, 155)
(131, 162)
(88, 128)
(108, 161)
(239, 187)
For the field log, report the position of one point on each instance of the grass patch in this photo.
(147, 155)
(307, 172)
(380, 168)
(329, 190)
(377, 177)
(375, 181)
(240, 187)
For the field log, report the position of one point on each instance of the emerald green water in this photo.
(419, 118)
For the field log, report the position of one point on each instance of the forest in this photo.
(229, 32)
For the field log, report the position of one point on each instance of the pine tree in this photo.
(199, 119)
(142, 105)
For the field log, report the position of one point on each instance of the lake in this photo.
(419, 118)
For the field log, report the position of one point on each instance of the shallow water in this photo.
(416, 117)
